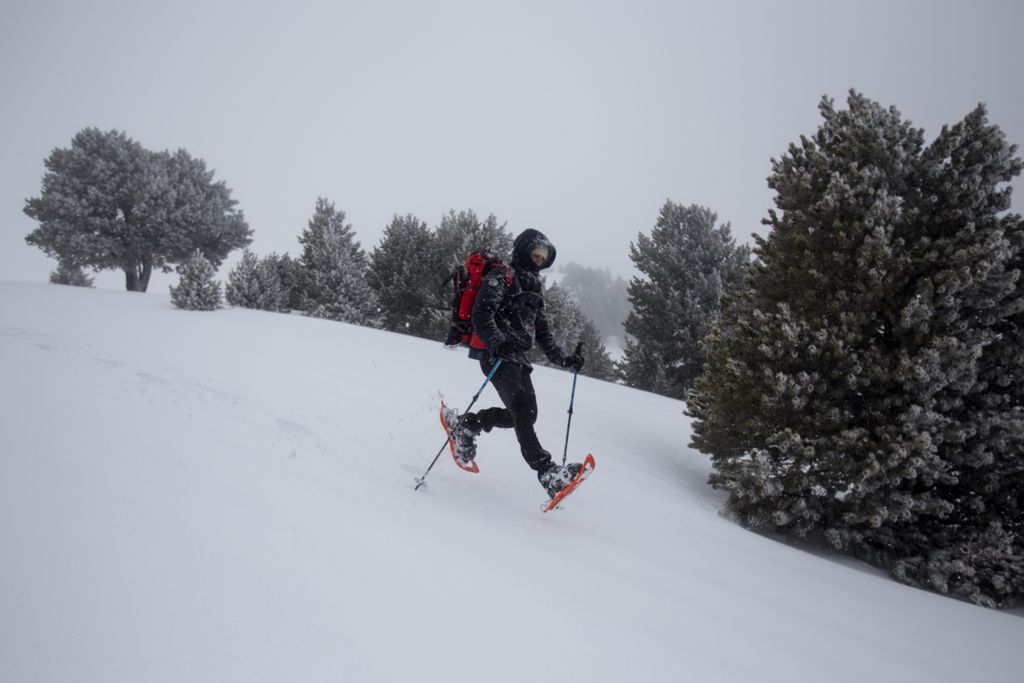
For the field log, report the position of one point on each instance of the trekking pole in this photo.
(572, 399)
(455, 429)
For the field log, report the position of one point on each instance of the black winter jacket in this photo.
(508, 318)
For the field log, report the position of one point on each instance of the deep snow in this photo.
(228, 496)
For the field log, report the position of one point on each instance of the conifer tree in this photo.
(109, 203)
(458, 234)
(599, 363)
(688, 264)
(271, 272)
(406, 280)
(569, 325)
(242, 288)
(256, 283)
(70, 274)
(333, 278)
(196, 290)
(864, 385)
(289, 274)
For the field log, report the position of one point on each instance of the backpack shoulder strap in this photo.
(508, 271)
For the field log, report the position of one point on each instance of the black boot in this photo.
(557, 477)
(465, 437)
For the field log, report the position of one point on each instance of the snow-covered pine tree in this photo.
(406, 280)
(289, 274)
(688, 264)
(973, 268)
(334, 270)
(256, 283)
(70, 274)
(460, 233)
(570, 325)
(242, 288)
(196, 290)
(599, 362)
(107, 202)
(863, 384)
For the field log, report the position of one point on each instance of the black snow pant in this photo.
(515, 388)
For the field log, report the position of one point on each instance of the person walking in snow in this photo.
(508, 316)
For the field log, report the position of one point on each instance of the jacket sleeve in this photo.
(492, 290)
(546, 341)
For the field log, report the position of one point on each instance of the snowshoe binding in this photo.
(559, 481)
(557, 477)
(461, 438)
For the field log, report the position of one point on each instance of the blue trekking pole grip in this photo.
(572, 399)
(455, 429)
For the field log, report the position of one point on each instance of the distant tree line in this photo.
(603, 297)
(109, 203)
(401, 285)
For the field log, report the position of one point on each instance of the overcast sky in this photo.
(576, 118)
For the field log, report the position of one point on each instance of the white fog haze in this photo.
(577, 118)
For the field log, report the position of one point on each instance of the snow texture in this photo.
(228, 496)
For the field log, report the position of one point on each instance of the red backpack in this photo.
(467, 279)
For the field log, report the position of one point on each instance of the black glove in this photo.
(575, 361)
(504, 349)
(513, 344)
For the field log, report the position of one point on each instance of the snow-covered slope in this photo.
(228, 496)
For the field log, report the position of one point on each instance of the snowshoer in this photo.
(509, 317)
